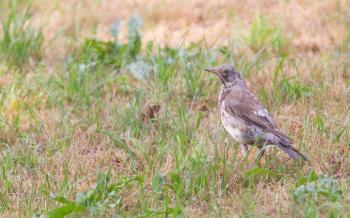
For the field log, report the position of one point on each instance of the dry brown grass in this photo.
(311, 24)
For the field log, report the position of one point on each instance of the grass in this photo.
(126, 126)
(20, 42)
(263, 35)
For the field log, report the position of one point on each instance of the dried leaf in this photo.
(150, 113)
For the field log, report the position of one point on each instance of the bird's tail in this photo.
(292, 151)
(283, 142)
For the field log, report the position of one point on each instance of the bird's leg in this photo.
(260, 153)
(244, 149)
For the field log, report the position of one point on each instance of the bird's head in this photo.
(227, 74)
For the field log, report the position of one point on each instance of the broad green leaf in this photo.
(257, 171)
(65, 210)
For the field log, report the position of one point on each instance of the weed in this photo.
(95, 53)
(318, 195)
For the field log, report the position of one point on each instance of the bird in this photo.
(245, 118)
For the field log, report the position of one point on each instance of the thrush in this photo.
(244, 117)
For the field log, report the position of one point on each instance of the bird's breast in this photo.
(232, 126)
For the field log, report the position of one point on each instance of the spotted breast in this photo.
(232, 125)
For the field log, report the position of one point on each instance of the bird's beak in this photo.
(214, 70)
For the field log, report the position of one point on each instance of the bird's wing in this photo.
(246, 106)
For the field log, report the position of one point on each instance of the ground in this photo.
(95, 122)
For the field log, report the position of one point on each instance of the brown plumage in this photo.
(244, 117)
